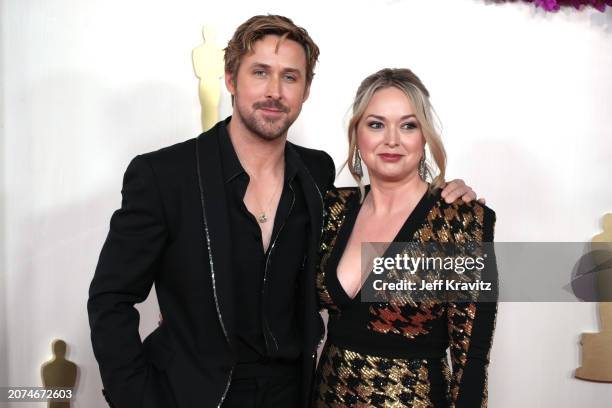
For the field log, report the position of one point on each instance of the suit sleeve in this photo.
(470, 328)
(330, 173)
(123, 277)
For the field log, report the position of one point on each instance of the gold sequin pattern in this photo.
(455, 222)
(460, 319)
(350, 379)
(448, 223)
(335, 207)
(408, 321)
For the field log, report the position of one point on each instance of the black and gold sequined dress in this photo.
(394, 355)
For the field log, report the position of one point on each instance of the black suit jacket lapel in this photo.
(314, 197)
(216, 226)
(312, 323)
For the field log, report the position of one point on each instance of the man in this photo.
(227, 227)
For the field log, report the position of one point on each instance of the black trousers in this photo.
(264, 386)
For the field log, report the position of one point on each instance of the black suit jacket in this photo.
(172, 231)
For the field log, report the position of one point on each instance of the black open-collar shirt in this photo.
(265, 283)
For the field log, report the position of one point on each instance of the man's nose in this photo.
(273, 89)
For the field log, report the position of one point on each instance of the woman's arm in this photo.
(470, 328)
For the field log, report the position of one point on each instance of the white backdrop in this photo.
(524, 97)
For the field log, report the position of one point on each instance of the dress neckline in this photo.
(405, 234)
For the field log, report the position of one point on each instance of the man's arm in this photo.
(456, 189)
(330, 173)
(123, 277)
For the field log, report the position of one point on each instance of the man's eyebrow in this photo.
(259, 65)
(266, 66)
(297, 71)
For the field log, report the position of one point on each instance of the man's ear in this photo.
(230, 84)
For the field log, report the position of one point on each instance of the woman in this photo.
(394, 355)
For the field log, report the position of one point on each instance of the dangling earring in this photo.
(357, 170)
(422, 167)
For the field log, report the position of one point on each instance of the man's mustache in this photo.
(271, 104)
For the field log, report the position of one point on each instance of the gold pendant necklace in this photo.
(263, 217)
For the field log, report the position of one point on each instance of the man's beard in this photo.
(262, 128)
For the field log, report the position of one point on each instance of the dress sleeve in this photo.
(470, 328)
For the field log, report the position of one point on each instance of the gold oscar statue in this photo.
(597, 347)
(208, 66)
(59, 372)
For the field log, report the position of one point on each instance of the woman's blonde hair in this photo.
(406, 81)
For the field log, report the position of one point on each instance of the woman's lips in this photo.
(390, 157)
